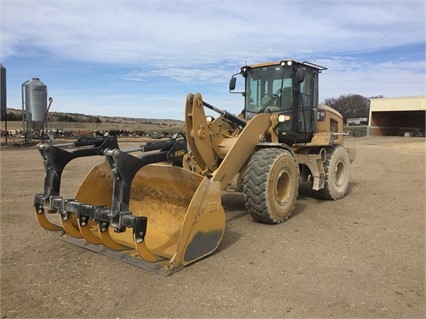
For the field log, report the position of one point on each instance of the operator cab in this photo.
(287, 87)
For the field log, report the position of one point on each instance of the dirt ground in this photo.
(361, 256)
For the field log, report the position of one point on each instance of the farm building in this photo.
(400, 116)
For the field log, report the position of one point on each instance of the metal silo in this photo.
(35, 99)
(34, 105)
(2, 91)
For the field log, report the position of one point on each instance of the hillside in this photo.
(16, 115)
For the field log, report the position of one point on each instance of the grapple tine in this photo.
(146, 254)
(86, 233)
(70, 227)
(107, 241)
(139, 232)
(45, 223)
(40, 212)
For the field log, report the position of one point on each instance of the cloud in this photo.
(390, 78)
(147, 55)
(197, 32)
(214, 75)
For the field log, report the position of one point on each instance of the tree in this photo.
(94, 119)
(66, 118)
(350, 105)
(13, 117)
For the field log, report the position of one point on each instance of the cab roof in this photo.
(305, 63)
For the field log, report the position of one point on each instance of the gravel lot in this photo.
(361, 256)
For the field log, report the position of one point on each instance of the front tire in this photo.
(271, 185)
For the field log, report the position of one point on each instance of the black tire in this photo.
(271, 185)
(336, 174)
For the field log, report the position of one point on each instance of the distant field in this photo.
(149, 128)
(82, 124)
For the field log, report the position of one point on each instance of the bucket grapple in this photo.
(146, 209)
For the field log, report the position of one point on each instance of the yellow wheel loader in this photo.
(159, 206)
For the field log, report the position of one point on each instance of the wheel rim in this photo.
(282, 188)
(339, 173)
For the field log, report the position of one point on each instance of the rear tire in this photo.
(271, 185)
(336, 174)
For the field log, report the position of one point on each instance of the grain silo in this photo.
(34, 106)
(2, 92)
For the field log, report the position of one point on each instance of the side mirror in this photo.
(300, 75)
(232, 83)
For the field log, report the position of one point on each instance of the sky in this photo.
(140, 58)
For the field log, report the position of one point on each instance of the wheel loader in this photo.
(159, 207)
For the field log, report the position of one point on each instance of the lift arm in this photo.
(240, 146)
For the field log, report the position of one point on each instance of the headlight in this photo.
(283, 118)
(284, 63)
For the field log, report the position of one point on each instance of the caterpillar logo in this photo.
(179, 153)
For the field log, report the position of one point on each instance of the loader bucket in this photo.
(182, 211)
(145, 210)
